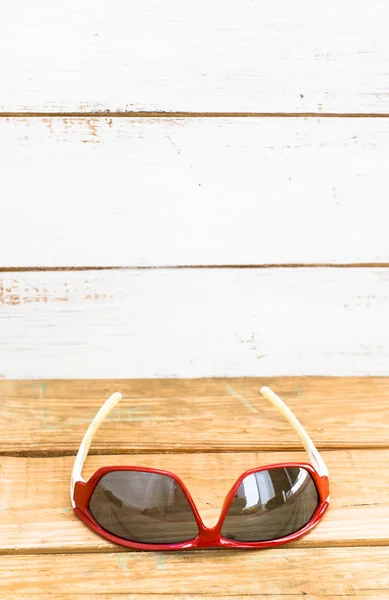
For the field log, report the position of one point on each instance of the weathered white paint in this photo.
(180, 55)
(130, 192)
(194, 322)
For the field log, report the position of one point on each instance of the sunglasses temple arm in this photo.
(87, 440)
(113, 400)
(313, 453)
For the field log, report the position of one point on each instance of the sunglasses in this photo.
(150, 509)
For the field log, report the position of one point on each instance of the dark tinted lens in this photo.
(271, 504)
(143, 507)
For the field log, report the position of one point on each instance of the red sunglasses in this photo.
(150, 509)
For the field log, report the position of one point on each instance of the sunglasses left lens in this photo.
(143, 507)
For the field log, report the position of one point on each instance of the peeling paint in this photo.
(95, 296)
(13, 293)
(92, 126)
(48, 121)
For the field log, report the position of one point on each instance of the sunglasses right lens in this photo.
(271, 504)
(143, 507)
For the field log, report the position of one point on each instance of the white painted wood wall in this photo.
(194, 189)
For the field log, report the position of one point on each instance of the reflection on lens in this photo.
(143, 507)
(271, 504)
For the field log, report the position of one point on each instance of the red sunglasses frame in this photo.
(208, 537)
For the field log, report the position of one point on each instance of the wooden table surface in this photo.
(207, 431)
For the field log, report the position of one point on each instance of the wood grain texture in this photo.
(47, 552)
(205, 56)
(36, 515)
(367, 595)
(343, 571)
(164, 415)
(194, 323)
(168, 192)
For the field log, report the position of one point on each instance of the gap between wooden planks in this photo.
(49, 418)
(160, 114)
(67, 269)
(376, 594)
(372, 594)
(36, 515)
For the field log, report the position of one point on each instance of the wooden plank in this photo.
(200, 56)
(374, 595)
(162, 595)
(36, 515)
(326, 573)
(167, 415)
(168, 192)
(369, 595)
(194, 323)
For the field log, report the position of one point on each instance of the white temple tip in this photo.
(265, 390)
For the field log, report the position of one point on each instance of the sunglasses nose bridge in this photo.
(210, 535)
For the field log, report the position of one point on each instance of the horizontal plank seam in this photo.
(194, 114)
(211, 595)
(174, 595)
(359, 265)
(178, 380)
(150, 451)
(119, 549)
(197, 594)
